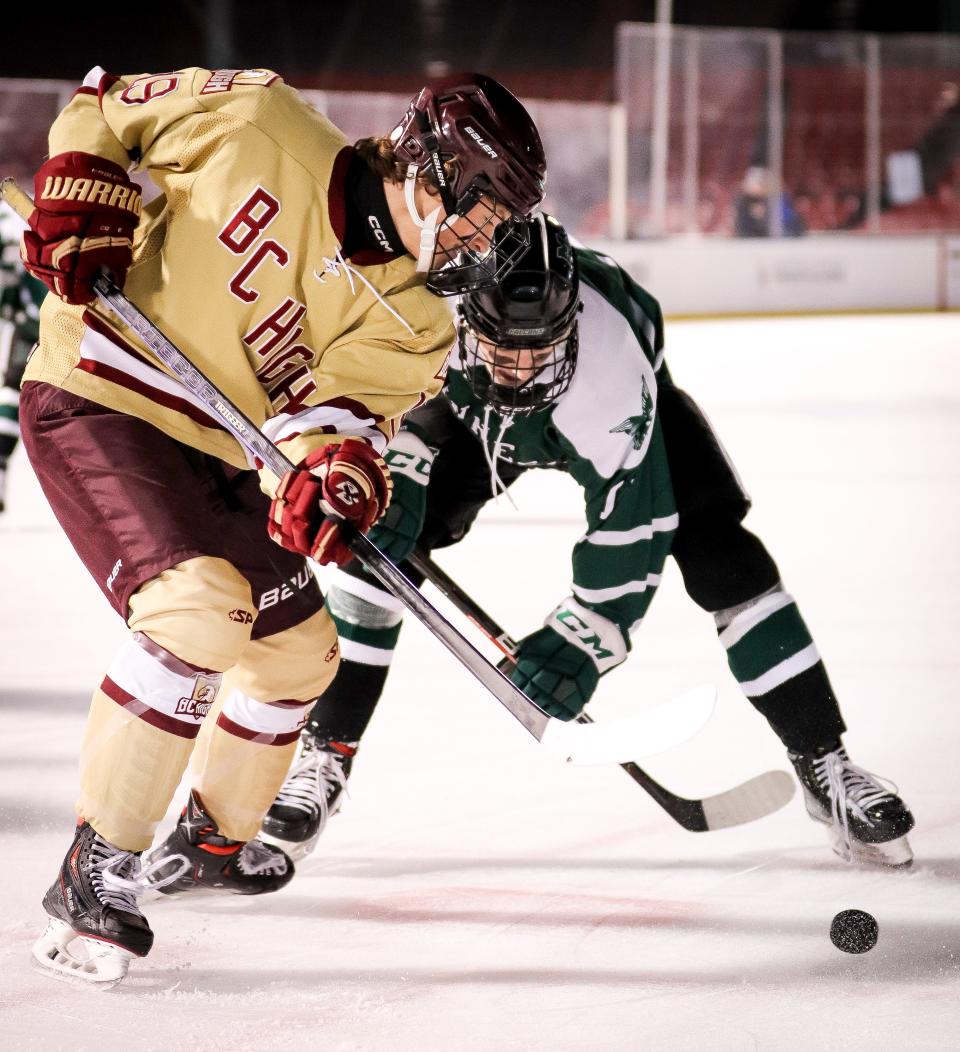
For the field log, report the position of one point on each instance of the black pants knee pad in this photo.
(722, 563)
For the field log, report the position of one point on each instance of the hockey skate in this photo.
(868, 821)
(214, 862)
(96, 928)
(312, 793)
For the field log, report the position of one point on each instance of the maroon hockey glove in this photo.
(347, 478)
(86, 210)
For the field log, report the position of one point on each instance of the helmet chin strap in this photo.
(427, 225)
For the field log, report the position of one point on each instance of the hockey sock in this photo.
(142, 724)
(772, 655)
(246, 744)
(342, 713)
(242, 757)
(368, 621)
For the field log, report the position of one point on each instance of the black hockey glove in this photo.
(409, 460)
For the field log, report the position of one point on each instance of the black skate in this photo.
(869, 822)
(94, 901)
(312, 793)
(243, 867)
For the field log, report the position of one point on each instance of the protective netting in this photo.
(756, 133)
(714, 131)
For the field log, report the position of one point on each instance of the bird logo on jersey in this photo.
(198, 704)
(637, 426)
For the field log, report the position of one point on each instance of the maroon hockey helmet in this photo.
(498, 172)
(473, 118)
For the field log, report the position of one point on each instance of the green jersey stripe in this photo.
(598, 567)
(754, 615)
(779, 674)
(777, 637)
(363, 654)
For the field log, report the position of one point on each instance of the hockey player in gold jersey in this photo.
(279, 257)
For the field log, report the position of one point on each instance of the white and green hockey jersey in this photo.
(605, 433)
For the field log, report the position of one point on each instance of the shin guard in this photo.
(142, 725)
(245, 748)
(242, 758)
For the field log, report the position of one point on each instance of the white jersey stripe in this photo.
(779, 674)
(603, 595)
(95, 347)
(638, 533)
(325, 417)
(753, 615)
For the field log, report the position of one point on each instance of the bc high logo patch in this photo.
(198, 704)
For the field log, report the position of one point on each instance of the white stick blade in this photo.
(754, 799)
(635, 737)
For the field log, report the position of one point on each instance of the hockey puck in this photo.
(854, 931)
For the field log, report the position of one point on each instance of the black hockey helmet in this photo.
(497, 174)
(519, 341)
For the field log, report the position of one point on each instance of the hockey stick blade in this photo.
(644, 734)
(753, 799)
(756, 798)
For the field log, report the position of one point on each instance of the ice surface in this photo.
(474, 894)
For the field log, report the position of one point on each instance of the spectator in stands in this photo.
(713, 209)
(752, 208)
(940, 144)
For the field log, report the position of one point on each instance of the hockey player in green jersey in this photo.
(562, 367)
(20, 299)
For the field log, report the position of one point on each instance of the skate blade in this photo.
(894, 854)
(297, 850)
(101, 966)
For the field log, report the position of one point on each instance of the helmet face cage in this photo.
(463, 256)
(518, 342)
(498, 172)
(517, 381)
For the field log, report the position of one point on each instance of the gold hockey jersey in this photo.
(238, 260)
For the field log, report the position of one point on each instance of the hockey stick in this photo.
(744, 803)
(611, 742)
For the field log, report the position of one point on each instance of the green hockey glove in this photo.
(555, 674)
(409, 459)
(559, 665)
